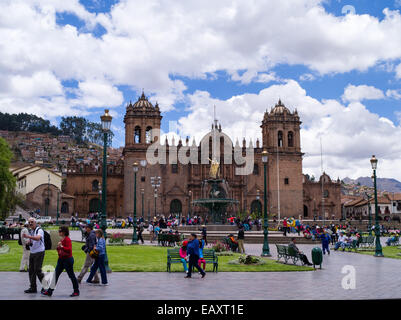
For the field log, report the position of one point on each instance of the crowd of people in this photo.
(33, 241)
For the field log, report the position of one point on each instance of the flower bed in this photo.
(247, 260)
(116, 239)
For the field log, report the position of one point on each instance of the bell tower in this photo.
(142, 127)
(281, 139)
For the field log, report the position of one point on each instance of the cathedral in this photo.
(173, 187)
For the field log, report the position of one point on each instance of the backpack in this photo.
(47, 239)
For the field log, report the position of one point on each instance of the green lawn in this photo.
(138, 259)
(393, 252)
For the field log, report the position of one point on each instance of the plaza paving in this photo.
(376, 278)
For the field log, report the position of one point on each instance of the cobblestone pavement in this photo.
(376, 278)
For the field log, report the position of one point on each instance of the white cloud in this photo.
(363, 92)
(149, 41)
(350, 134)
(307, 77)
(394, 94)
(398, 71)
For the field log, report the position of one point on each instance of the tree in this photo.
(75, 127)
(8, 197)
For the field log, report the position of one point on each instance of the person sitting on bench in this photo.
(302, 256)
(341, 242)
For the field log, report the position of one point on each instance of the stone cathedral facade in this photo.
(290, 192)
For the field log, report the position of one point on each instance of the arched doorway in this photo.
(64, 207)
(94, 205)
(176, 207)
(256, 207)
(305, 211)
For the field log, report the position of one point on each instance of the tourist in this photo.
(25, 249)
(65, 261)
(37, 254)
(201, 261)
(325, 237)
(156, 231)
(341, 242)
(204, 233)
(285, 225)
(183, 255)
(193, 256)
(151, 232)
(303, 257)
(99, 263)
(140, 230)
(241, 237)
(90, 243)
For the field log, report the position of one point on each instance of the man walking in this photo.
(87, 248)
(204, 233)
(37, 249)
(193, 253)
(241, 237)
(285, 225)
(25, 249)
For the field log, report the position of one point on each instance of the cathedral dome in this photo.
(143, 102)
(280, 109)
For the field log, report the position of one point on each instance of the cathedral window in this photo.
(148, 135)
(290, 139)
(280, 138)
(137, 134)
(286, 181)
(174, 168)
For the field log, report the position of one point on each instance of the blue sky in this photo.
(337, 61)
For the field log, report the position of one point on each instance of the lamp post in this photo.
(134, 235)
(106, 124)
(266, 249)
(47, 202)
(190, 202)
(58, 206)
(370, 214)
(379, 252)
(143, 209)
(155, 182)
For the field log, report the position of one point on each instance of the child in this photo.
(201, 261)
(99, 261)
(183, 255)
(65, 261)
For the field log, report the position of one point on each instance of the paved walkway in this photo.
(376, 278)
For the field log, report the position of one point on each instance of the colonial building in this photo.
(289, 194)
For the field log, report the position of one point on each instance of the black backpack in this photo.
(47, 239)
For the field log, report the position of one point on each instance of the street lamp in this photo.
(143, 194)
(370, 213)
(379, 252)
(266, 249)
(155, 182)
(58, 206)
(106, 124)
(135, 166)
(190, 203)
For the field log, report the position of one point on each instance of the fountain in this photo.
(215, 190)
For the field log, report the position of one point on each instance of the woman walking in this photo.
(65, 261)
(99, 261)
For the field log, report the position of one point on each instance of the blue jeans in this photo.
(325, 247)
(184, 264)
(98, 264)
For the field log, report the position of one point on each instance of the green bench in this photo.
(395, 242)
(8, 233)
(209, 255)
(168, 239)
(366, 242)
(288, 253)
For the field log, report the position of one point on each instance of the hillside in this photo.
(383, 184)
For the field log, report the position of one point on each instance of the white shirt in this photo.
(341, 239)
(150, 228)
(39, 245)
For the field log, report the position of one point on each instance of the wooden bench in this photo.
(288, 253)
(209, 255)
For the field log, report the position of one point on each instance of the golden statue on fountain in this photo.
(214, 168)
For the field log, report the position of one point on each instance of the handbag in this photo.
(94, 254)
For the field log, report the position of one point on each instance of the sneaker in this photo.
(47, 292)
(89, 282)
(74, 294)
(30, 290)
(105, 284)
(187, 276)
(203, 275)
